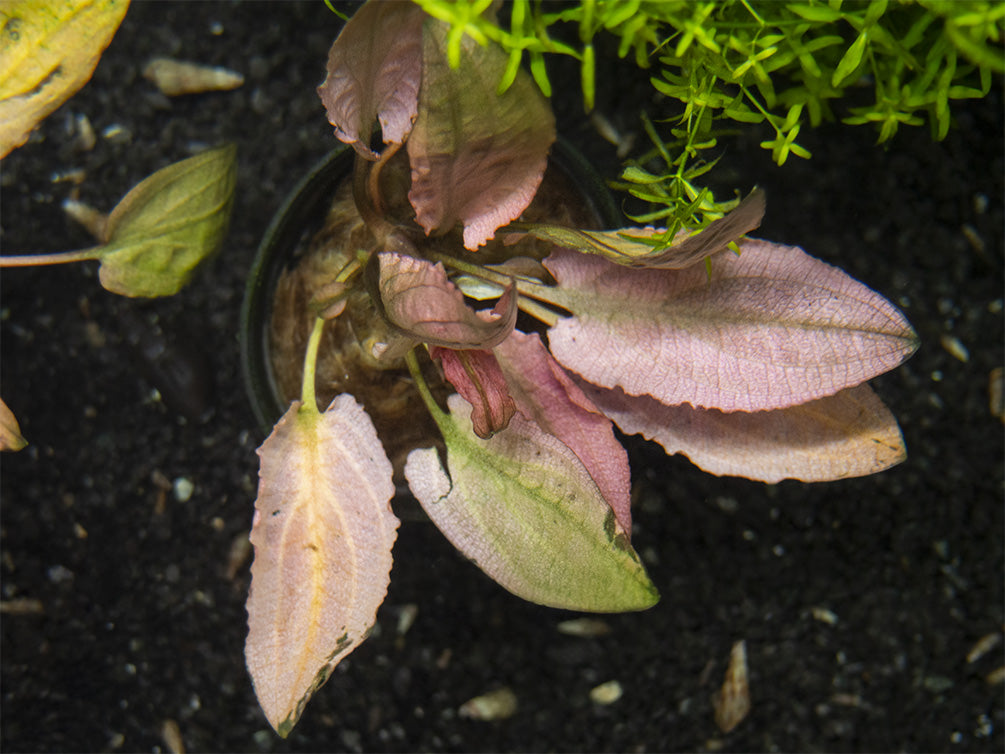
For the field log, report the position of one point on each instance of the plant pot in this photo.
(299, 237)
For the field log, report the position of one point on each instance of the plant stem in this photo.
(307, 394)
(61, 257)
(441, 419)
(538, 291)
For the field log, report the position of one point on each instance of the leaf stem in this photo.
(61, 257)
(307, 390)
(441, 419)
(538, 291)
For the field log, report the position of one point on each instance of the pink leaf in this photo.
(477, 377)
(848, 434)
(771, 328)
(548, 396)
(419, 299)
(374, 68)
(477, 157)
(323, 532)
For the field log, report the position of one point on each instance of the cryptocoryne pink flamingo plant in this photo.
(749, 357)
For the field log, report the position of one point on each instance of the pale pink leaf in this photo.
(418, 299)
(848, 434)
(522, 506)
(322, 533)
(545, 393)
(770, 328)
(476, 376)
(627, 247)
(477, 156)
(374, 69)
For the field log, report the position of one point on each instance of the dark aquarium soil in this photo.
(861, 602)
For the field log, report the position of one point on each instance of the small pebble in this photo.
(733, 701)
(177, 77)
(982, 646)
(183, 489)
(824, 615)
(86, 138)
(171, 735)
(239, 554)
(953, 345)
(406, 618)
(116, 134)
(606, 693)
(495, 705)
(584, 627)
(996, 392)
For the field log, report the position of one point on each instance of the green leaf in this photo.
(850, 60)
(48, 50)
(820, 13)
(168, 225)
(523, 507)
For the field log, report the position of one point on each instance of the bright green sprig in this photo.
(779, 64)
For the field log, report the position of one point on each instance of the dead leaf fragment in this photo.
(733, 702)
(177, 77)
(49, 50)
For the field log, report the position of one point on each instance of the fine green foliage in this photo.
(780, 64)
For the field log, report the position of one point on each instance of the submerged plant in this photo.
(749, 357)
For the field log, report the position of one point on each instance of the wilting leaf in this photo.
(620, 245)
(10, 431)
(548, 396)
(323, 534)
(477, 157)
(476, 376)
(418, 298)
(374, 68)
(169, 224)
(770, 328)
(848, 434)
(48, 50)
(523, 507)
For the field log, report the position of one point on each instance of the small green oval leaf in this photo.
(168, 225)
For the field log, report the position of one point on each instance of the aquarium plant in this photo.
(749, 357)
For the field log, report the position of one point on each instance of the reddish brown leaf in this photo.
(477, 377)
(374, 68)
(418, 299)
(477, 156)
(546, 394)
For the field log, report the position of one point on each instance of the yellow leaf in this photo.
(48, 50)
(323, 533)
(10, 432)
